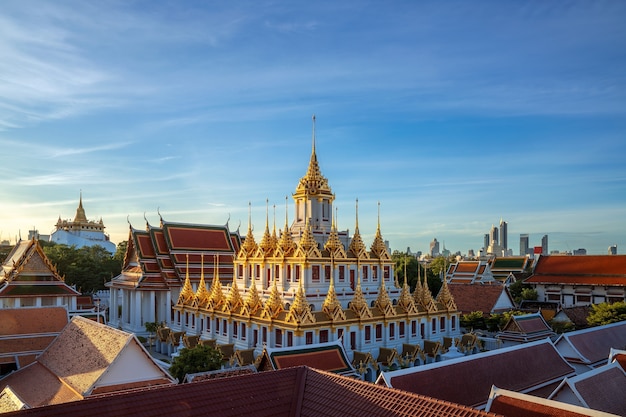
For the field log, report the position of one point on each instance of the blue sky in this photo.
(451, 114)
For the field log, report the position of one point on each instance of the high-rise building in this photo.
(544, 245)
(613, 250)
(523, 244)
(504, 235)
(493, 236)
(434, 248)
(486, 241)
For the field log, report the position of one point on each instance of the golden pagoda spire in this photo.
(234, 299)
(426, 297)
(358, 303)
(286, 245)
(313, 183)
(265, 246)
(273, 305)
(357, 247)
(217, 298)
(300, 312)
(405, 301)
(444, 298)
(249, 245)
(332, 306)
(307, 246)
(186, 293)
(202, 294)
(378, 248)
(274, 237)
(80, 211)
(383, 302)
(333, 244)
(252, 302)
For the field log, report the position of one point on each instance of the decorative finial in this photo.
(313, 148)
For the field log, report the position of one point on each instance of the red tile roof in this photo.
(468, 380)
(593, 345)
(526, 328)
(300, 391)
(513, 404)
(478, 297)
(329, 357)
(600, 389)
(580, 270)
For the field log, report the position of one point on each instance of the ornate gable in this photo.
(332, 306)
(445, 299)
(274, 304)
(252, 303)
(359, 304)
(300, 312)
(383, 302)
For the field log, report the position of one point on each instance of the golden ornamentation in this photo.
(187, 295)
(274, 304)
(202, 294)
(252, 302)
(383, 302)
(445, 299)
(300, 312)
(332, 306)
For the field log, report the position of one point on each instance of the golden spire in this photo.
(313, 183)
(186, 293)
(217, 298)
(274, 237)
(202, 294)
(307, 244)
(80, 211)
(300, 312)
(445, 297)
(357, 247)
(333, 244)
(265, 246)
(286, 245)
(273, 305)
(332, 306)
(379, 249)
(405, 301)
(234, 298)
(424, 298)
(358, 303)
(383, 302)
(249, 245)
(252, 302)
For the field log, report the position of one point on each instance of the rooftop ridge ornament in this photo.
(378, 247)
(300, 312)
(186, 294)
(357, 247)
(202, 294)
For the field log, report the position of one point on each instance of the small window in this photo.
(368, 334)
(309, 338)
(315, 271)
(401, 329)
(342, 273)
(392, 331)
(323, 336)
(379, 332)
(279, 338)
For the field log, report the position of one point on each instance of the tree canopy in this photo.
(401, 259)
(201, 358)
(88, 268)
(606, 313)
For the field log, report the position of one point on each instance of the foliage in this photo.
(401, 259)
(606, 313)
(517, 288)
(473, 320)
(88, 268)
(560, 327)
(529, 294)
(198, 359)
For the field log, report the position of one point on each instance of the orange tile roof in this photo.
(468, 380)
(300, 391)
(580, 270)
(478, 297)
(27, 320)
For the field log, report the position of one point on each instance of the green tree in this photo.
(529, 294)
(201, 358)
(606, 313)
(88, 268)
(473, 320)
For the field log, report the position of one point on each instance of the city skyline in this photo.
(452, 116)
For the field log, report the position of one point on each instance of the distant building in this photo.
(493, 236)
(486, 241)
(434, 248)
(544, 245)
(523, 244)
(82, 232)
(579, 280)
(580, 251)
(613, 250)
(504, 240)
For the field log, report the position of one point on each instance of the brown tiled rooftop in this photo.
(468, 380)
(28, 320)
(594, 344)
(476, 297)
(300, 391)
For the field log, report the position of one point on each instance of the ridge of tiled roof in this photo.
(515, 404)
(591, 346)
(299, 391)
(467, 380)
(599, 389)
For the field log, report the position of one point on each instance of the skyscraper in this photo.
(486, 241)
(523, 244)
(434, 248)
(504, 235)
(493, 236)
(544, 245)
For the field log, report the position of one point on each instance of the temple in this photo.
(81, 232)
(307, 284)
